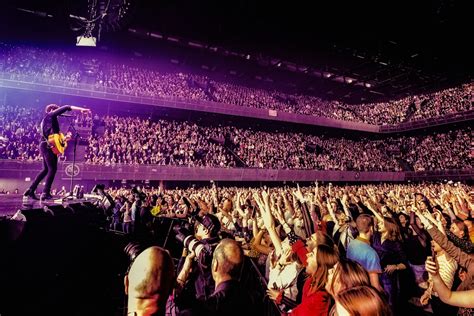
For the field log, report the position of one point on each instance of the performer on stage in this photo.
(50, 141)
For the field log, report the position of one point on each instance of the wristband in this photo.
(286, 228)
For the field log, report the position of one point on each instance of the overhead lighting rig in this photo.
(100, 16)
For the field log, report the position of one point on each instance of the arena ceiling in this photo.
(354, 51)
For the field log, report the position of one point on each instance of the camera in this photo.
(241, 234)
(185, 236)
(132, 250)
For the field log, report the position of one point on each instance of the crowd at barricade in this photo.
(383, 249)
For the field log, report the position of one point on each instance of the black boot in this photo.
(30, 194)
(46, 196)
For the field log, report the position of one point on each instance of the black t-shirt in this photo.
(50, 123)
(228, 299)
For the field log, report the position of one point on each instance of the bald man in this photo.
(149, 282)
(228, 298)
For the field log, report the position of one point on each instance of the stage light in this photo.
(89, 41)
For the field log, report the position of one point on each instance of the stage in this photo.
(11, 203)
(58, 257)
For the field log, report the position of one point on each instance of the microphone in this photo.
(67, 115)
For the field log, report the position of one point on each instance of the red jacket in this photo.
(314, 304)
(300, 249)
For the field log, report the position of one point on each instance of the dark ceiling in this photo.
(398, 47)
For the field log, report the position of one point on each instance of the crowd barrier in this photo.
(10, 169)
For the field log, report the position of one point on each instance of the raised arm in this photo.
(454, 298)
(345, 205)
(460, 256)
(78, 108)
(374, 211)
(264, 206)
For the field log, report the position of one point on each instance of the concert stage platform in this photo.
(61, 256)
(18, 215)
(11, 203)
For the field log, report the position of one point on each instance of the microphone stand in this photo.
(76, 137)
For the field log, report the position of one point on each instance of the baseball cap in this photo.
(211, 222)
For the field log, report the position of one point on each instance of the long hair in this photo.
(324, 239)
(326, 258)
(392, 229)
(348, 274)
(363, 301)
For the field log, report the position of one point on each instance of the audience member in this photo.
(149, 282)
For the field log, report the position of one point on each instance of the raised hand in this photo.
(273, 294)
(298, 194)
(425, 221)
(344, 199)
(431, 266)
(266, 196)
(259, 201)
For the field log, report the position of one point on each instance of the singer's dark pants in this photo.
(50, 166)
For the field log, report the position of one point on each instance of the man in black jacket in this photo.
(49, 126)
(228, 298)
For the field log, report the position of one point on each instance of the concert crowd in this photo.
(404, 248)
(321, 249)
(133, 140)
(148, 80)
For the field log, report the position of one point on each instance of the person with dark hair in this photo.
(195, 280)
(387, 244)
(462, 297)
(49, 126)
(149, 282)
(404, 221)
(447, 270)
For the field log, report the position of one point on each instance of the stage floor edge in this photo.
(11, 203)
